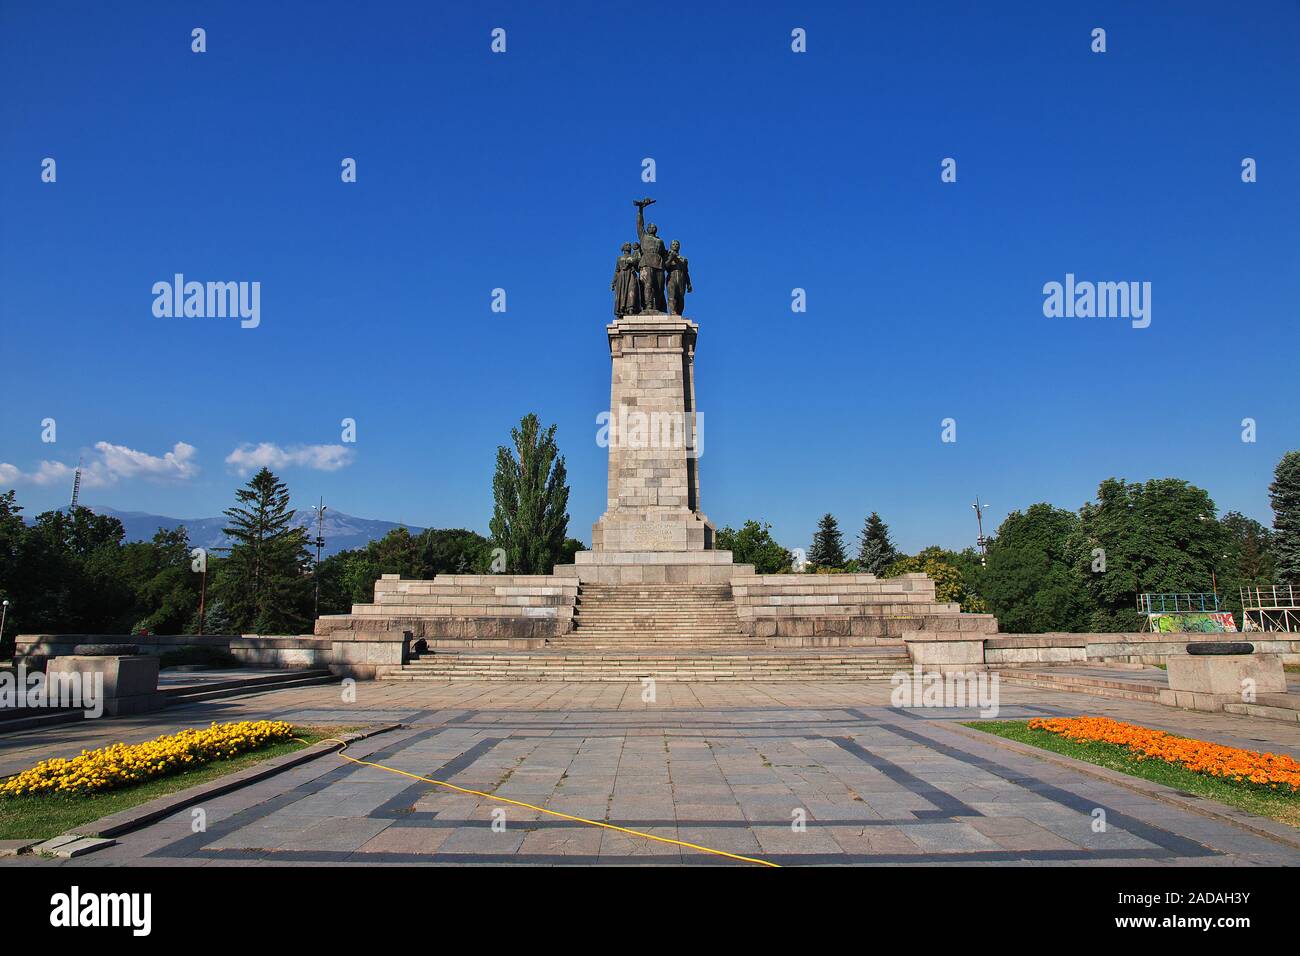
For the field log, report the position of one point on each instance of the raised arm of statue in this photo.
(640, 216)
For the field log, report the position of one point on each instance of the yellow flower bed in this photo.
(123, 764)
(1272, 771)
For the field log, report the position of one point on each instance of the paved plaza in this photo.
(730, 766)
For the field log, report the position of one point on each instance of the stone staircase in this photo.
(668, 632)
(702, 665)
(655, 617)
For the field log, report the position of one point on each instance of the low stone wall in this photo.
(36, 649)
(1032, 650)
(290, 651)
(302, 651)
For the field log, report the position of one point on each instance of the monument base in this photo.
(652, 567)
(672, 531)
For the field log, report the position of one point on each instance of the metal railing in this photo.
(1179, 602)
(1271, 597)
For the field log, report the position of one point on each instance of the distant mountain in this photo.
(342, 531)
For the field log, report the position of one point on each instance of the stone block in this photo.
(1226, 674)
(129, 683)
(945, 651)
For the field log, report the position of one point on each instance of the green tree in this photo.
(397, 552)
(458, 551)
(216, 619)
(347, 578)
(69, 578)
(1032, 582)
(530, 518)
(263, 582)
(165, 586)
(951, 573)
(1156, 536)
(1284, 495)
(571, 547)
(754, 544)
(875, 551)
(1247, 560)
(828, 544)
(13, 531)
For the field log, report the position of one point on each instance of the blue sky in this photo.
(776, 170)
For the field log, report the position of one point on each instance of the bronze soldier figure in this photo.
(634, 289)
(625, 282)
(679, 280)
(652, 260)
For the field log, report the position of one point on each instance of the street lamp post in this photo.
(979, 518)
(203, 589)
(320, 544)
(203, 593)
(4, 613)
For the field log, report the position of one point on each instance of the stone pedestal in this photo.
(946, 652)
(130, 683)
(1210, 681)
(363, 655)
(653, 567)
(655, 440)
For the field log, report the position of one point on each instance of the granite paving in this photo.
(794, 773)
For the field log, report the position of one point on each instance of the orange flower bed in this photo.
(1272, 771)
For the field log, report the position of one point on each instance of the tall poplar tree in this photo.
(530, 517)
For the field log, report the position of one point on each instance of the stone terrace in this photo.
(800, 610)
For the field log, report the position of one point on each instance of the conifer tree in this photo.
(876, 552)
(263, 583)
(1284, 495)
(828, 545)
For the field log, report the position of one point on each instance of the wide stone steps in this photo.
(642, 610)
(669, 647)
(583, 614)
(1098, 686)
(608, 617)
(675, 627)
(592, 614)
(659, 637)
(593, 609)
(697, 667)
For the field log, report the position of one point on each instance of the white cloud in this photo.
(248, 458)
(126, 462)
(108, 465)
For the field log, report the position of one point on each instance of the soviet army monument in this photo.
(652, 597)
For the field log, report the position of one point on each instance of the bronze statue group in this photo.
(649, 279)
